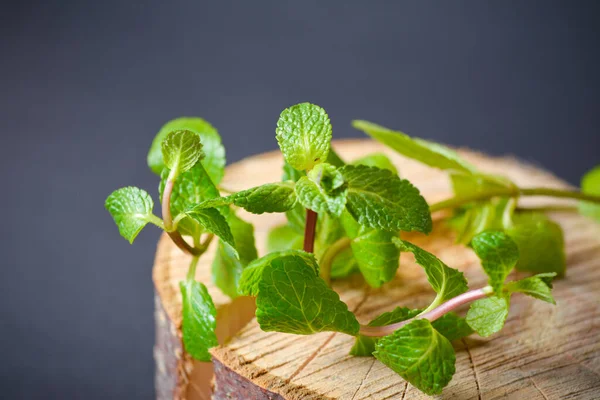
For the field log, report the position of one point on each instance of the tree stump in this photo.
(543, 352)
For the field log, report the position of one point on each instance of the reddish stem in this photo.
(309, 231)
(379, 331)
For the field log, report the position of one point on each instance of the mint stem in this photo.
(458, 201)
(329, 255)
(380, 331)
(309, 231)
(191, 274)
(168, 221)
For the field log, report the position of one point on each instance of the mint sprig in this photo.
(351, 215)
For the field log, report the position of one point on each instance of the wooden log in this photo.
(543, 352)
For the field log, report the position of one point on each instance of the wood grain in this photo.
(543, 352)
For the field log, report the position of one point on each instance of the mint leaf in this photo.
(344, 264)
(590, 184)
(538, 286)
(430, 153)
(227, 267)
(181, 151)
(284, 238)
(252, 274)
(330, 230)
(378, 160)
(191, 187)
(452, 326)
(131, 208)
(470, 221)
(541, 243)
(199, 320)
(296, 216)
(446, 282)
(365, 346)
(377, 256)
(487, 316)
(498, 254)
(214, 162)
(292, 298)
(334, 159)
(379, 199)
(478, 217)
(304, 135)
(270, 198)
(212, 221)
(420, 355)
(322, 190)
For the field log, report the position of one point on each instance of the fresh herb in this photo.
(346, 218)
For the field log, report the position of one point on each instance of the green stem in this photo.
(191, 274)
(153, 219)
(201, 248)
(329, 255)
(557, 208)
(458, 201)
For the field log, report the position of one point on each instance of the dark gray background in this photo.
(86, 85)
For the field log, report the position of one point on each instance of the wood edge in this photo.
(256, 381)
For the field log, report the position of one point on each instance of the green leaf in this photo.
(379, 199)
(304, 135)
(252, 274)
(334, 159)
(214, 162)
(296, 216)
(344, 264)
(498, 254)
(487, 316)
(538, 286)
(284, 238)
(590, 184)
(181, 151)
(374, 251)
(446, 282)
(378, 160)
(329, 230)
(212, 221)
(452, 326)
(292, 298)
(290, 173)
(270, 198)
(191, 187)
(477, 217)
(226, 267)
(131, 208)
(322, 190)
(541, 243)
(429, 153)
(199, 320)
(365, 346)
(420, 355)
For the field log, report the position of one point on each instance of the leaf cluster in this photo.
(362, 206)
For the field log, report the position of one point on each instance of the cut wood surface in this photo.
(543, 352)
